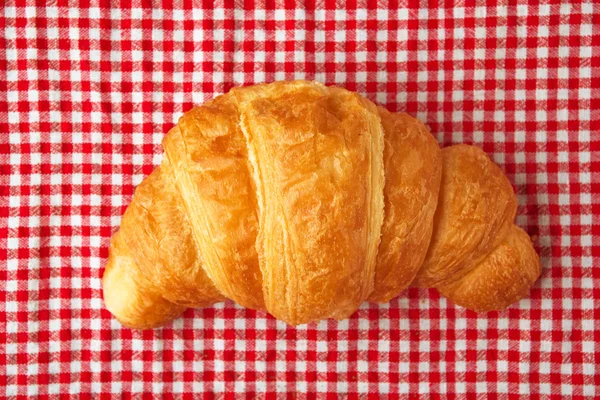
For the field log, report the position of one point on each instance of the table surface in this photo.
(87, 94)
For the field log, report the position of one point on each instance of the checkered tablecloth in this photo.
(86, 95)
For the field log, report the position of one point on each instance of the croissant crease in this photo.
(304, 201)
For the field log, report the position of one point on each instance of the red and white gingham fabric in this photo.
(86, 95)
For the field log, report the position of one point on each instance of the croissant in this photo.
(305, 201)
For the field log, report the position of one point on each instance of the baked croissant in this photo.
(305, 200)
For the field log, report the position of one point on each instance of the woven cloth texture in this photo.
(87, 92)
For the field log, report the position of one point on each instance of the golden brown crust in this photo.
(209, 157)
(475, 210)
(502, 278)
(125, 295)
(413, 167)
(281, 188)
(317, 160)
(164, 250)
